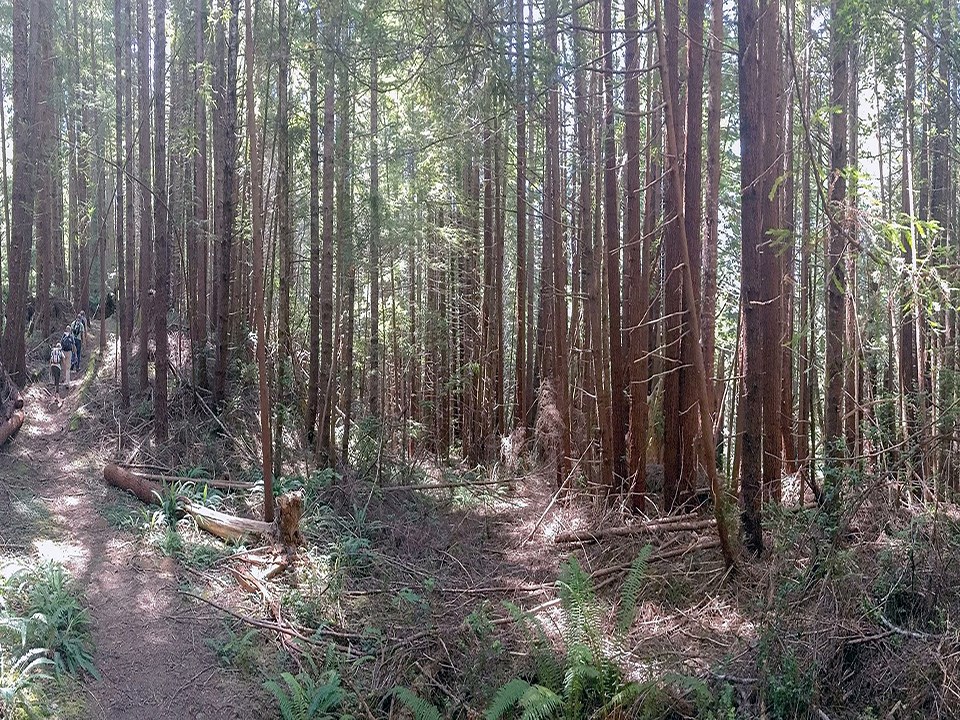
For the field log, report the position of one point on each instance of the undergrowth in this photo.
(44, 635)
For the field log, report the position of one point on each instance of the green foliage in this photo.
(303, 697)
(236, 650)
(169, 500)
(630, 592)
(420, 708)
(579, 681)
(20, 677)
(202, 555)
(43, 629)
(582, 615)
(60, 623)
(787, 686)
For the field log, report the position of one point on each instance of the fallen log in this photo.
(228, 527)
(12, 414)
(145, 490)
(665, 525)
(223, 482)
(286, 529)
(11, 425)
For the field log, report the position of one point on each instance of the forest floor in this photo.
(430, 579)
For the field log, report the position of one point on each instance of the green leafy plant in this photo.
(44, 631)
(19, 679)
(236, 650)
(420, 708)
(169, 501)
(303, 697)
(59, 622)
(788, 686)
(579, 681)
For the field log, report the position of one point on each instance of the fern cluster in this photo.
(44, 630)
(577, 682)
(302, 697)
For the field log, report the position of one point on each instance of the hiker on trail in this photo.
(56, 360)
(67, 346)
(78, 330)
(83, 319)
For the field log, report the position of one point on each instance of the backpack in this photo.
(56, 356)
(66, 342)
(77, 327)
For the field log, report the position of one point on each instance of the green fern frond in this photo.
(285, 703)
(549, 669)
(626, 696)
(540, 703)
(630, 592)
(507, 696)
(580, 609)
(422, 709)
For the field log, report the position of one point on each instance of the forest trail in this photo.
(150, 645)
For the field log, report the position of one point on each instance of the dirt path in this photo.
(150, 645)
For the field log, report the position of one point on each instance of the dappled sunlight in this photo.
(66, 553)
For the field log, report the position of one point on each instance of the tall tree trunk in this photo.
(121, 205)
(313, 313)
(161, 221)
(145, 188)
(673, 329)
(520, 410)
(284, 332)
(46, 126)
(711, 221)
(200, 208)
(225, 185)
(325, 448)
(692, 317)
(635, 268)
(374, 359)
(770, 266)
(13, 347)
(692, 216)
(346, 254)
(751, 170)
(256, 215)
(835, 280)
(611, 223)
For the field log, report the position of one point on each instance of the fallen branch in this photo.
(276, 626)
(223, 482)
(441, 486)
(677, 524)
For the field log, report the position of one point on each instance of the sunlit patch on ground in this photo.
(65, 553)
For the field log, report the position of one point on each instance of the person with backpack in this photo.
(56, 362)
(77, 329)
(67, 346)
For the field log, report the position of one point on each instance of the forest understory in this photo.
(428, 590)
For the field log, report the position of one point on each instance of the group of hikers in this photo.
(68, 350)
